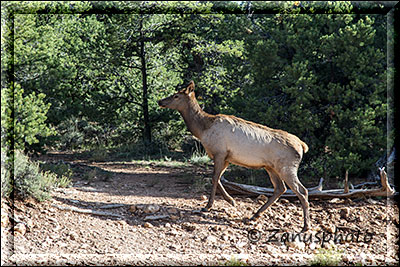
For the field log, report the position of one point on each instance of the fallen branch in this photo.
(111, 206)
(314, 192)
(87, 211)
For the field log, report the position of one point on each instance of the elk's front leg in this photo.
(220, 165)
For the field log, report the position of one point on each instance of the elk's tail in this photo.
(305, 147)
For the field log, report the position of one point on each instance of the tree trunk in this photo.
(145, 103)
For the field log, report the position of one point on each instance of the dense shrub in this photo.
(30, 181)
(5, 175)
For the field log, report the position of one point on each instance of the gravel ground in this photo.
(147, 214)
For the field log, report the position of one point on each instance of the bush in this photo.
(78, 132)
(199, 156)
(5, 175)
(30, 181)
(30, 115)
(327, 257)
(63, 171)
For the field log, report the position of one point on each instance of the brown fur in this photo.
(287, 138)
(287, 148)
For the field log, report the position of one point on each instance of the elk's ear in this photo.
(190, 87)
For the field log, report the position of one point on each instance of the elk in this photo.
(229, 139)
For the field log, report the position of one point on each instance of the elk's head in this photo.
(180, 99)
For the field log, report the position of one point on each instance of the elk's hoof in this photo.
(205, 209)
(254, 218)
(248, 221)
(232, 202)
(305, 229)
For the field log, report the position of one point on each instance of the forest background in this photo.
(86, 76)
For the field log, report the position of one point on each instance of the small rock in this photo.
(29, 223)
(241, 244)
(345, 258)
(174, 217)
(284, 201)
(174, 247)
(132, 209)
(203, 198)
(173, 211)
(329, 228)
(213, 228)
(313, 246)
(173, 232)
(62, 244)
(296, 245)
(20, 208)
(262, 199)
(226, 256)
(147, 225)
(4, 218)
(335, 200)
(167, 225)
(139, 206)
(188, 227)
(122, 222)
(20, 228)
(225, 237)
(197, 212)
(54, 220)
(73, 236)
(211, 239)
(151, 208)
(241, 257)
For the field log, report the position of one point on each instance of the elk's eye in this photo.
(176, 96)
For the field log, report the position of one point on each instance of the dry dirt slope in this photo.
(153, 219)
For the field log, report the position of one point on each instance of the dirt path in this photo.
(154, 219)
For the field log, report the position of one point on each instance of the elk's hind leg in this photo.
(279, 189)
(301, 192)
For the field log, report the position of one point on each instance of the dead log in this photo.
(314, 192)
(87, 211)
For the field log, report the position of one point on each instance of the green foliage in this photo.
(63, 171)
(234, 262)
(310, 68)
(199, 158)
(29, 120)
(322, 78)
(6, 186)
(327, 257)
(30, 181)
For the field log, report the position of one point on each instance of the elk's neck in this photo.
(196, 120)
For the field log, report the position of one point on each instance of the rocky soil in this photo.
(145, 213)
